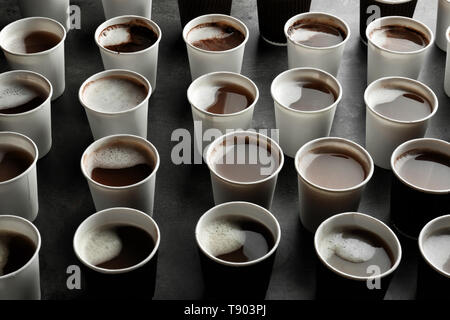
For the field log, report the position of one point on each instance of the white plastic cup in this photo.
(382, 62)
(49, 63)
(115, 8)
(326, 58)
(203, 61)
(447, 66)
(144, 62)
(132, 121)
(139, 196)
(225, 190)
(442, 24)
(297, 127)
(36, 123)
(23, 284)
(19, 196)
(199, 102)
(317, 203)
(383, 134)
(58, 10)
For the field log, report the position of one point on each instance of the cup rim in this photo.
(103, 26)
(367, 217)
(447, 34)
(38, 245)
(185, 32)
(104, 74)
(298, 70)
(244, 133)
(34, 74)
(32, 165)
(421, 240)
(60, 43)
(113, 137)
(299, 16)
(411, 20)
(218, 73)
(407, 183)
(435, 101)
(239, 264)
(123, 211)
(339, 140)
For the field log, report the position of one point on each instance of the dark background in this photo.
(184, 193)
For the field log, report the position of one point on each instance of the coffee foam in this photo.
(15, 93)
(117, 156)
(4, 253)
(437, 250)
(207, 31)
(101, 246)
(114, 94)
(115, 35)
(349, 249)
(221, 237)
(205, 95)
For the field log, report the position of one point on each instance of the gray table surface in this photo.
(183, 192)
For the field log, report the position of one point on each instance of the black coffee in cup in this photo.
(399, 38)
(16, 250)
(215, 36)
(316, 33)
(230, 98)
(13, 161)
(132, 36)
(18, 96)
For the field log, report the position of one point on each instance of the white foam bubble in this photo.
(206, 32)
(115, 35)
(4, 253)
(102, 245)
(113, 94)
(437, 250)
(221, 237)
(16, 93)
(302, 35)
(384, 95)
(205, 95)
(350, 249)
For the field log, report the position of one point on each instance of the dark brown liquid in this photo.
(137, 245)
(36, 97)
(247, 162)
(314, 95)
(258, 241)
(228, 37)
(39, 41)
(408, 106)
(382, 256)
(20, 249)
(141, 37)
(13, 161)
(400, 38)
(231, 98)
(425, 169)
(333, 169)
(316, 34)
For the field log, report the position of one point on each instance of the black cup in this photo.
(432, 282)
(333, 284)
(273, 15)
(369, 10)
(190, 9)
(411, 206)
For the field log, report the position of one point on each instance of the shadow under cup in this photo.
(135, 282)
(245, 280)
(413, 206)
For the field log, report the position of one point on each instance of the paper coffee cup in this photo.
(190, 9)
(298, 127)
(24, 283)
(144, 62)
(139, 196)
(36, 123)
(382, 62)
(442, 24)
(318, 203)
(49, 63)
(131, 121)
(19, 195)
(226, 279)
(325, 58)
(203, 61)
(135, 282)
(384, 134)
(115, 8)
(334, 283)
(58, 10)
